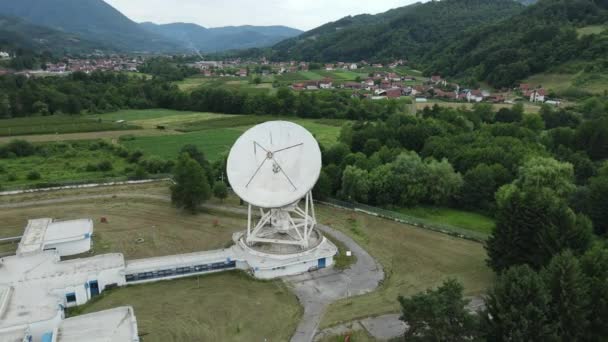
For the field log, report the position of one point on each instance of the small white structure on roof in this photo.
(115, 325)
(66, 237)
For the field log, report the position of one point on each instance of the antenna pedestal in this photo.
(289, 225)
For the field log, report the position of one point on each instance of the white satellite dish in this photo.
(273, 166)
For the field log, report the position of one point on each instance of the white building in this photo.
(116, 325)
(4, 55)
(35, 288)
(66, 237)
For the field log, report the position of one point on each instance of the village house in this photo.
(4, 55)
(242, 73)
(329, 67)
(326, 83)
(298, 86)
(537, 95)
(377, 65)
(474, 95)
(353, 66)
(352, 85)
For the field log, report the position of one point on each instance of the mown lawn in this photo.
(413, 259)
(452, 217)
(218, 307)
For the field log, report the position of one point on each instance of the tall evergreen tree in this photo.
(518, 308)
(568, 292)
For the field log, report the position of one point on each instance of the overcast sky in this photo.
(301, 14)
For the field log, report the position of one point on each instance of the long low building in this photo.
(66, 237)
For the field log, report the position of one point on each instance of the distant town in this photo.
(391, 80)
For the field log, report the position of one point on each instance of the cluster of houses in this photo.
(4, 55)
(114, 63)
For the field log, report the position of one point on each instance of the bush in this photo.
(140, 173)
(2, 169)
(21, 148)
(105, 165)
(135, 156)
(128, 137)
(11, 177)
(33, 175)
(91, 168)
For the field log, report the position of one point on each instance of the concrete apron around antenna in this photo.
(289, 225)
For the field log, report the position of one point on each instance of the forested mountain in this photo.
(222, 38)
(407, 32)
(17, 34)
(93, 20)
(542, 36)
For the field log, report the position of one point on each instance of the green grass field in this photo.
(219, 307)
(452, 217)
(58, 125)
(592, 29)
(62, 162)
(413, 260)
(214, 143)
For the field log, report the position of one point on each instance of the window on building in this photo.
(70, 297)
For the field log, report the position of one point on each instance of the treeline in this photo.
(100, 92)
(461, 158)
(168, 69)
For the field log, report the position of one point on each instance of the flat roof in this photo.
(40, 232)
(14, 334)
(116, 325)
(33, 277)
(68, 230)
(33, 237)
(190, 259)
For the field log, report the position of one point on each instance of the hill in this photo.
(17, 34)
(551, 34)
(406, 32)
(222, 38)
(92, 20)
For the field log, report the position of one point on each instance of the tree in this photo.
(438, 315)
(568, 293)
(532, 226)
(355, 184)
(597, 203)
(199, 157)
(517, 308)
(442, 181)
(323, 187)
(541, 172)
(594, 265)
(40, 108)
(5, 106)
(191, 186)
(480, 185)
(220, 190)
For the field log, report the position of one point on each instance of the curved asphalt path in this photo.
(315, 290)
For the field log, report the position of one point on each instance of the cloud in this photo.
(302, 14)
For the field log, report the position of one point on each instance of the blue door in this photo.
(321, 263)
(94, 286)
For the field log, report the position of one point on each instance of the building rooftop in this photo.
(115, 325)
(190, 259)
(14, 334)
(40, 232)
(32, 278)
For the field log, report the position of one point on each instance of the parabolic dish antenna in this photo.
(274, 164)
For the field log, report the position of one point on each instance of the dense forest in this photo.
(406, 32)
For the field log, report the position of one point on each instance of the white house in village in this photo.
(538, 95)
(353, 66)
(4, 55)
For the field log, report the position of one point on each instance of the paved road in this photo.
(319, 289)
(315, 290)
